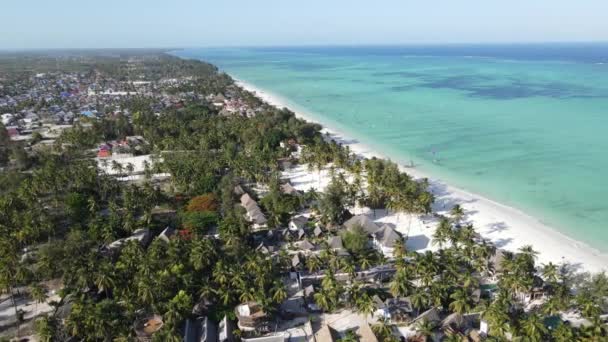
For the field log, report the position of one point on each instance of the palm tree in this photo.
(38, 294)
(375, 198)
(534, 328)
(247, 294)
(348, 266)
(457, 213)
(322, 300)
(461, 301)
(469, 281)
(349, 336)
(45, 328)
(442, 233)
(597, 331)
(104, 277)
(365, 305)
(563, 333)
(365, 260)
(116, 166)
(145, 291)
(550, 272)
(400, 249)
(383, 330)
(420, 299)
(529, 252)
(425, 328)
(498, 320)
(278, 292)
(401, 286)
(130, 168)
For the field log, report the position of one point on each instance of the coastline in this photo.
(507, 227)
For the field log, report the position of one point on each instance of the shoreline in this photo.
(507, 227)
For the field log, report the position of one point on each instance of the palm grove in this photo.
(59, 204)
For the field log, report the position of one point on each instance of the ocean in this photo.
(525, 125)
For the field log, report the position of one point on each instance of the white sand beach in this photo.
(507, 227)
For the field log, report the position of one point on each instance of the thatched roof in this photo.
(364, 222)
(366, 334)
(325, 334)
(387, 236)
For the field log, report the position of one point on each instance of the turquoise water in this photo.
(523, 125)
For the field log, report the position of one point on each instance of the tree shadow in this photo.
(500, 243)
(444, 199)
(497, 227)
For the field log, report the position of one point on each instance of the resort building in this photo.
(251, 317)
(298, 222)
(146, 328)
(254, 213)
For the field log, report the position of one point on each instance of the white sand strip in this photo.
(507, 227)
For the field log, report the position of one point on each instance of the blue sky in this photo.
(191, 23)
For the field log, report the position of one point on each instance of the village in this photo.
(306, 240)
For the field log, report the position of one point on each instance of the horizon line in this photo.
(396, 44)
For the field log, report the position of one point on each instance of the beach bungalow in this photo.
(431, 315)
(364, 222)
(335, 243)
(395, 310)
(535, 294)
(254, 213)
(305, 246)
(300, 234)
(265, 248)
(141, 235)
(251, 317)
(298, 222)
(461, 325)
(385, 239)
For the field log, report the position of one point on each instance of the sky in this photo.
(28, 24)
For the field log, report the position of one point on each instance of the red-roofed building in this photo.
(12, 132)
(104, 153)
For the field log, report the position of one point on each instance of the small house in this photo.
(298, 222)
(364, 222)
(200, 329)
(166, 234)
(251, 316)
(385, 239)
